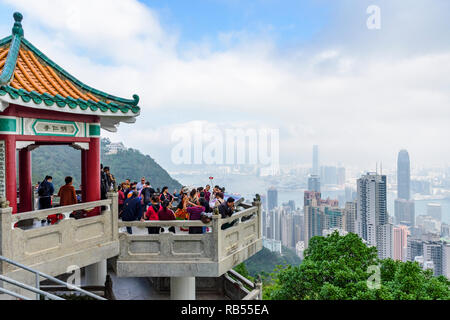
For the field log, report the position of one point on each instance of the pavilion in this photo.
(42, 104)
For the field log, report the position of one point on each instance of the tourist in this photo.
(127, 187)
(193, 197)
(207, 193)
(45, 193)
(132, 210)
(165, 214)
(152, 214)
(133, 189)
(195, 213)
(147, 193)
(141, 184)
(181, 212)
(121, 197)
(67, 194)
(202, 201)
(219, 199)
(107, 182)
(165, 195)
(226, 210)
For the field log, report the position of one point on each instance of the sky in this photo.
(312, 70)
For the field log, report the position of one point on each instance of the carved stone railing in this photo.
(69, 242)
(209, 254)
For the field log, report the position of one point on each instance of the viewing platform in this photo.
(88, 242)
(210, 254)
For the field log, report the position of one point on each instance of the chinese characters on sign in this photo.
(55, 128)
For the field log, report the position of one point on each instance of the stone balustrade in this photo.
(210, 254)
(52, 249)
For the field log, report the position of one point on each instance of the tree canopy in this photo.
(337, 268)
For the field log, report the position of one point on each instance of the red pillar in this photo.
(84, 162)
(10, 163)
(25, 183)
(93, 172)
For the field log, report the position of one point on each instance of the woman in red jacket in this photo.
(152, 214)
(121, 197)
(165, 214)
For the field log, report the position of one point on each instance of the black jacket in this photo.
(132, 209)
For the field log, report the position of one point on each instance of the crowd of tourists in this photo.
(139, 201)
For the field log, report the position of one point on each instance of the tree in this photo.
(336, 268)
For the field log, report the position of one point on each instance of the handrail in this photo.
(46, 212)
(30, 288)
(241, 286)
(164, 223)
(240, 214)
(241, 278)
(253, 295)
(11, 293)
(40, 274)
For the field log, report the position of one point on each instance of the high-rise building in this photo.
(350, 217)
(415, 248)
(434, 210)
(403, 175)
(405, 212)
(321, 214)
(446, 260)
(404, 207)
(315, 167)
(372, 217)
(400, 243)
(272, 198)
(432, 251)
(314, 183)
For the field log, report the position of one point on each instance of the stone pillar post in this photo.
(182, 288)
(5, 233)
(96, 273)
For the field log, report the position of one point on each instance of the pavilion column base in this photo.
(182, 288)
(96, 273)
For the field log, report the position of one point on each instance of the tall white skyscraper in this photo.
(372, 217)
(404, 206)
(315, 168)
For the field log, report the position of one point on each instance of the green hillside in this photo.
(265, 261)
(62, 161)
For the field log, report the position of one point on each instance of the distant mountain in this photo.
(62, 161)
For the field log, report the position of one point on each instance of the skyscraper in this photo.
(400, 243)
(403, 175)
(315, 168)
(372, 217)
(314, 183)
(272, 198)
(404, 207)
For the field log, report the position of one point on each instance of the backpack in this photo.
(42, 190)
(147, 194)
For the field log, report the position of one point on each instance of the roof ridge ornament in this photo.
(17, 29)
(11, 59)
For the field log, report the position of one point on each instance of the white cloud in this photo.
(359, 106)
